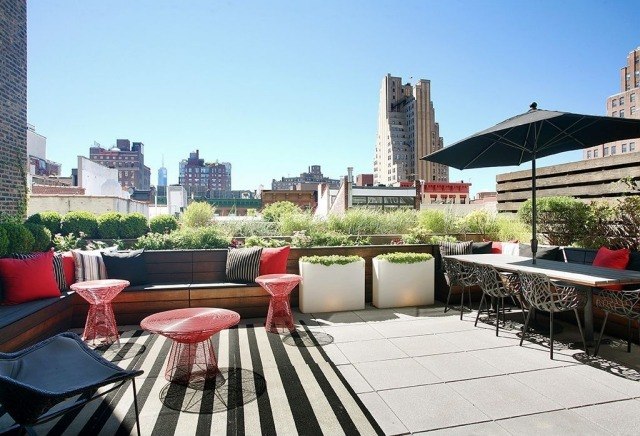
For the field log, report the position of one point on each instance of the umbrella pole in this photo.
(534, 212)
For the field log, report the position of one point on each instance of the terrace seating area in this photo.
(380, 371)
(372, 371)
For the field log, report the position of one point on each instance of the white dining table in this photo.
(588, 277)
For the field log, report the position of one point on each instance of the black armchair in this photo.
(56, 371)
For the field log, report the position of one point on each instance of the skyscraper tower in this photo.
(624, 104)
(407, 131)
(162, 174)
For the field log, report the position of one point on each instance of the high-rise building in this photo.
(128, 159)
(624, 104)
(162, 175)
(305, 182)
(13, 106)
(200, 179)
(407, 131)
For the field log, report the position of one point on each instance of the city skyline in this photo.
(274, 87)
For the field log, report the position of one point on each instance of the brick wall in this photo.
(13, 104)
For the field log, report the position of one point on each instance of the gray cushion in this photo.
(243, 264)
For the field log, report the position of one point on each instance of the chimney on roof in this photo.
(350, 174)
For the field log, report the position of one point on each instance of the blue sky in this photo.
(276, 86)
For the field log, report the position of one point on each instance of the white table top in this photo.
(587, 275)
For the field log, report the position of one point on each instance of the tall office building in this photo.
(624, 105)
(407, 131)
(305, 182)
(162, 175)
(128, 159)
(200, 179)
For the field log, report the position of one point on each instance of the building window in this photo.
(621, 100)
(623, 148)
(613, 149)
(632, 146)
(614, 113)
(588, 154)
(595, 153)
(606, 151)
(632, 97)
(621, 113)
(614, 103)
(632, 110)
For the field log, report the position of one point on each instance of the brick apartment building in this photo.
(128, 159)
(13, 106)
(201, 179)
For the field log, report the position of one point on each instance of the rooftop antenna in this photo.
(163, 161)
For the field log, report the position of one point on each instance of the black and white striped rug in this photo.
(272, 388)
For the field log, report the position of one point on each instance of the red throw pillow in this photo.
(617, 259)
(496, 247)
(69, 267)
(274, 260)
(28, 279)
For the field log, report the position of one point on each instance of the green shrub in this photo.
(199, 238)
(50, 219)
(133, 225)
(614, 225)
(372, 222)
(163, 224)
(41, 236)
(244, 228)
(155, 241)
(561, 220)
(275, 211)
(109, 225)
(437, 221)
(481, 222)
(325, 239)
(84, 224)
(198, 214)
(298, 222)
(510, 228)
(400, 257)
(257, 241)
(330, 260)
(4, 242)
(68, 242)
(19, 237)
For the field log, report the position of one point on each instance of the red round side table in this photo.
(100, 328)
(192, 358)
(279, 286)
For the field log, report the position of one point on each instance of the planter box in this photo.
(331, 288)
(402, 284)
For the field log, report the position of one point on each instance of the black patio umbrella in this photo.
(533, 134)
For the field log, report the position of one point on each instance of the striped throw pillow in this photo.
(89, 264)
(243, 264)
(58, 270)
(454, 248)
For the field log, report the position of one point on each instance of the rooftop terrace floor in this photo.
(414, 370)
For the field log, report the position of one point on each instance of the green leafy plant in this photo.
(256, 241)
(41, 236)
(80, 222)
(198, 214)
(400, 257)
(372, 222)
(290, 223)
(510, 228)
(275, 211)
(109, 225)
(4, 242)
(68, 242)
(561, 220)
(49, 219)
(481, 222)
(20, 238)
(330, 260)
(163, 224)
(439, 222)
(199, 238)
(133, 225)
(155, 241)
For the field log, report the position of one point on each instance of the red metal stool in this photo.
(192, 358)
(279, 286)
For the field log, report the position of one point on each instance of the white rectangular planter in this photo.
(331, 288)
(402, 284)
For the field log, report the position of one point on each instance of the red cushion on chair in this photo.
(496, 247)
(274, 260)
(28, 279)
(617, 259)
(69, 266)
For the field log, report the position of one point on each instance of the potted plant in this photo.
(331, 283)
(403, 279)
